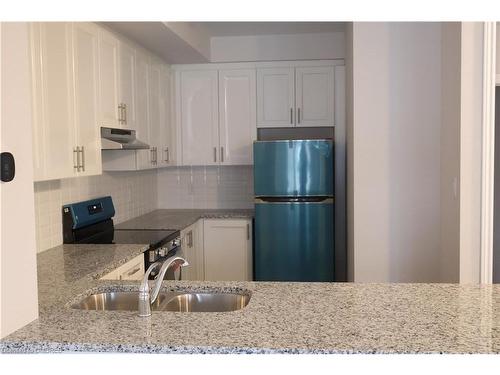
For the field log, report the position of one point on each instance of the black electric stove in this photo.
(90, 222)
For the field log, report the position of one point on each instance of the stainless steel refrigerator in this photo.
(294, 210)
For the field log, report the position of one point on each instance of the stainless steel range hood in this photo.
(120, 139)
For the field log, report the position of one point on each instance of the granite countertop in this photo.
(178, 219)
(280, 317)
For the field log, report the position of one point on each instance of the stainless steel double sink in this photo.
(166, 301)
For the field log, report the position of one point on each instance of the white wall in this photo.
(18, 275)
(498, 49)
(395, 152)
(278, 47)
(470, 150)
(450, 151)
(133, 193)
(349, 150)
(194, 34)
(206, 187)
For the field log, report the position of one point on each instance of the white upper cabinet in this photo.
(295, 96)
(275, 97)
(167, 152)
(109, 111)
(155, 125)
(145, 158)
(85, 63)
(199, 117)
(237, 111)
(126, 84)
(314, 96)
(66, 141)
(53, 130)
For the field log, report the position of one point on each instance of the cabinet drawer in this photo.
(132, 270)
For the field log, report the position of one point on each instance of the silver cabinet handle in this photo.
(156, 155)
(151, 155)
(135, 270)
(120, 113)
(78, 159)
(222, 154)
(166, 160)
(76, 153)
(298, 115)
(291, 116)
(124, 113)
(215, 154)
(248, 231)
(190, 238)
(83, 159)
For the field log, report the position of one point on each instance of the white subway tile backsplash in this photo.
(206, 187)
(139, 192)
(134, 194)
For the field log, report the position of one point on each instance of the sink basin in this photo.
(166, 301)
(207, 302)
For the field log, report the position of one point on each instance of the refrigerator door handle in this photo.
(308, 200)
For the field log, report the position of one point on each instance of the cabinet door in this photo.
(126, 85)
(132, 270)
(143, 65)
(275, 97)
(85, 63)
(199, 118)
(53, 130)
(237, 125)
(192, 248)
(167, 154)
(227, 250)
(154, 113)
(108, 80)
(315, 96)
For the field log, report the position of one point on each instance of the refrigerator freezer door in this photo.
(294, 242)
(293, 168)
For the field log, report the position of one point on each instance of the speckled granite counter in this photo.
(179, 218)
(280, 318)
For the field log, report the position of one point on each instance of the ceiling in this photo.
(221, 29)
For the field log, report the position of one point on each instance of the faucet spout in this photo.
(145, 298)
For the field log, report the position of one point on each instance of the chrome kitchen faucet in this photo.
(145, 298)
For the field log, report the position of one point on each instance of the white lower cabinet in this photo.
(132, 270)
(192, 247)
(227, 249)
